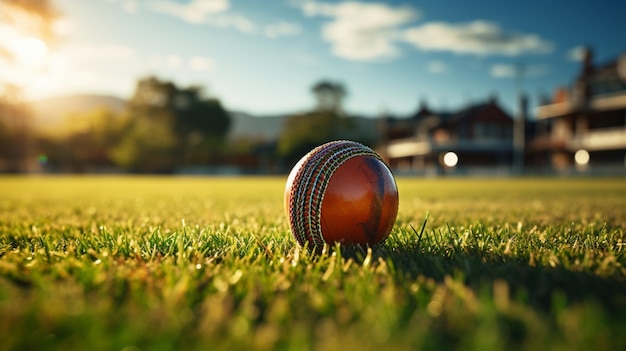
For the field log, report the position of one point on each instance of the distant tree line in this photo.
(166, 128)
(16, 131)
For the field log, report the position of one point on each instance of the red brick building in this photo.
(475, 138)
(584, 127)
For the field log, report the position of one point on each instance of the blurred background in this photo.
(248, 87)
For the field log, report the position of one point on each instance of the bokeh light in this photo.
(450, 159)
(42, 159)
(581, 157)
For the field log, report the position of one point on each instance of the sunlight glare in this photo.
(29, 63)
(30, 52)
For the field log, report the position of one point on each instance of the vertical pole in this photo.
(519, 122)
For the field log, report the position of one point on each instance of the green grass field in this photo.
(157, 263)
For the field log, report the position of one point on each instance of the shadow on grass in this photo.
(541, 285)
(536, 281)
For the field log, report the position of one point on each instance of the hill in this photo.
(52, 110)
(250, 126)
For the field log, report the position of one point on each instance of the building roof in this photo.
(426, 119)
(597, 88)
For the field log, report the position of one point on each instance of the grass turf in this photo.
(157, 263)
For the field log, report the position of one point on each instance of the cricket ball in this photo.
(343, 192)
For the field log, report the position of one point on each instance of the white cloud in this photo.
(199, 63)
(195, 11)
(86, 53)
(234, 20)
(176, 62)
(509, 71)
(361, 31)
(212, 12)
(281, 29)
(478, 37)
(155, 61)
(374, 31)
(436, 67)
(130, 6)
(173, 61)
(576, 54)
(503, 71)
(63, 26)
(536, 70)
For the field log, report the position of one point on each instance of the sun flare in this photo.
(30, 51)
(28, 61)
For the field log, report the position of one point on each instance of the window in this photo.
(491, 131)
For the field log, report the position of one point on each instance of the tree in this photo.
(302, 132)
(148, 146)
(329, 95)
(85, 141)
(16, 132)
(191, 127)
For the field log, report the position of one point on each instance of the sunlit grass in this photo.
(208, 263)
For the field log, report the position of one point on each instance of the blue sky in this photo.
(262, 57)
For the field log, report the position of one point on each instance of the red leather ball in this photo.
(343, 192)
